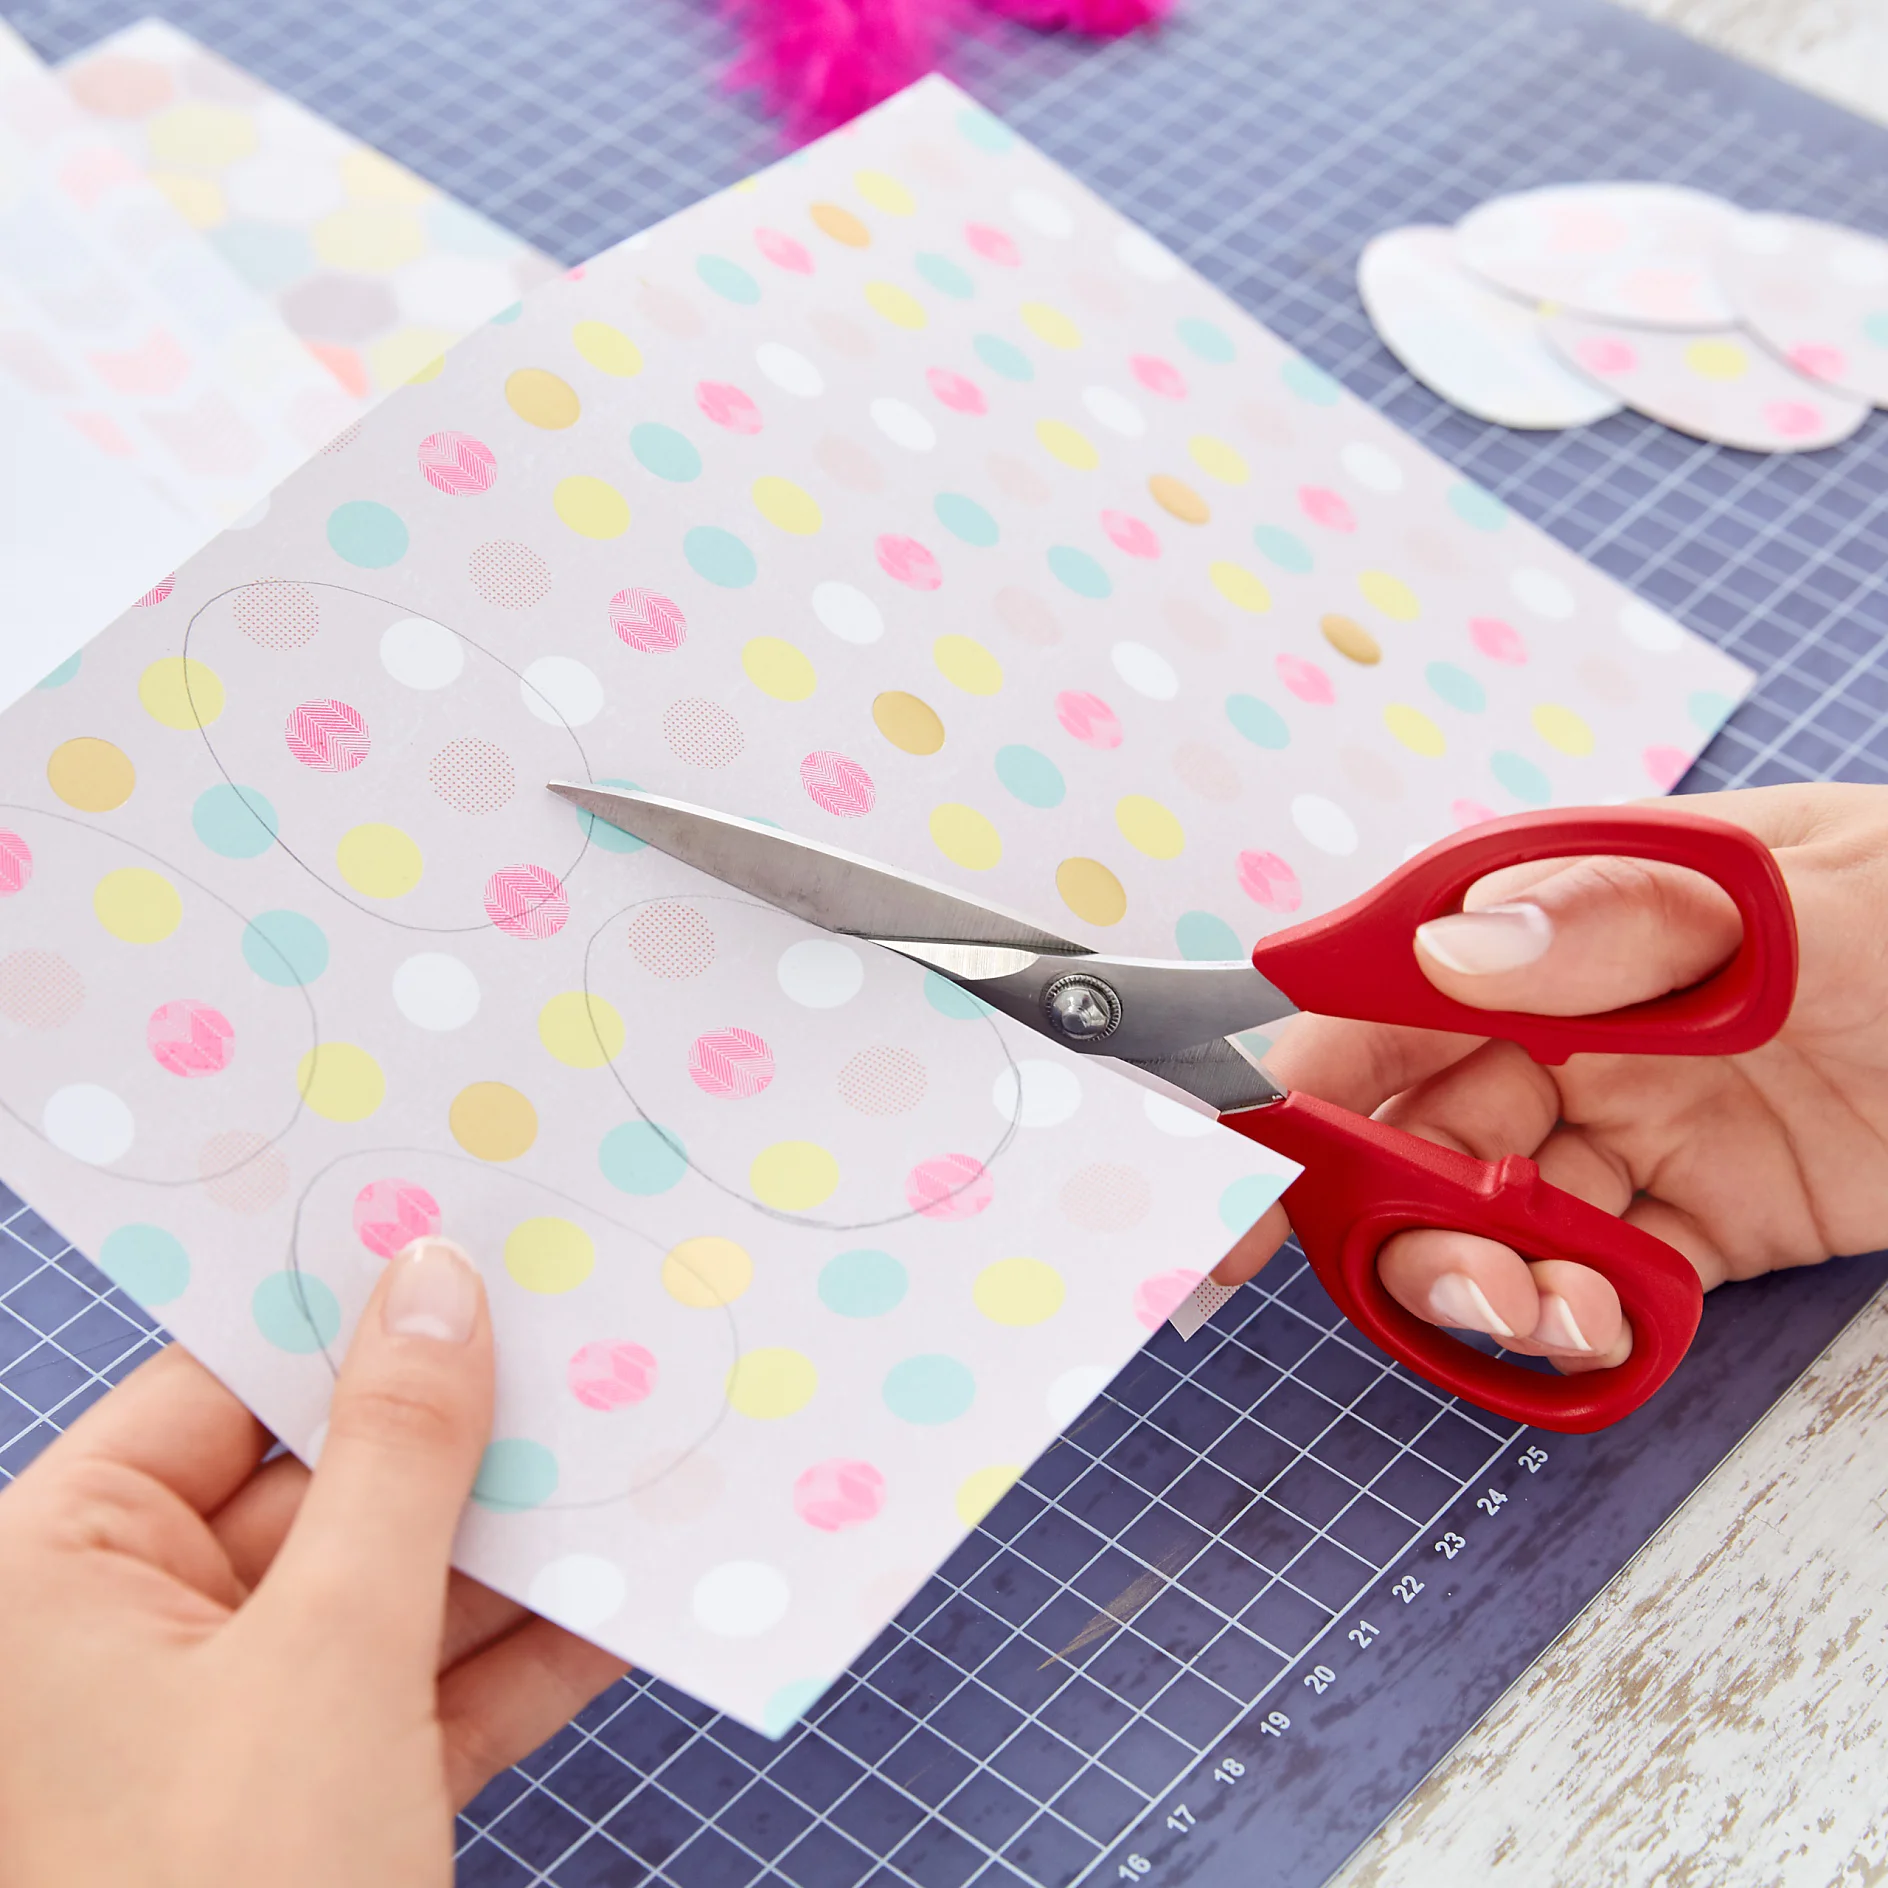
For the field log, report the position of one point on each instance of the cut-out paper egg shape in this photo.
(1616, 252)
(1717, 384)
(1479, 349)
(1815, 292)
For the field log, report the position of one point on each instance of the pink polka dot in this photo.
(649, 621)
(190, 1038)
(1792, 419)
(526, 901)
(953, 1186)
(1157, 1298)
(1666, 766)
(610, 1376)
(1130, 534)
(837, 784)
(1498, 641)
(838, 1494)
(1159, 376)
(16, 863)
(733, 1063)
(1605, 354)
(906, 561)
(783, 252)
(457, 464)
(390, 1214)
(1269, 882)
(1323, 506)
(328, 736)
(1088, 718)
(1306, 680)
(728, 406)
(1819, 360)
(992, 245)
(157, 593)
(1467, 813)
(955, 392)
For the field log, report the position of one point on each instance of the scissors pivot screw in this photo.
(1084, 1009)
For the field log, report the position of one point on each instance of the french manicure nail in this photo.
(434, 1292)
(1480, 943)
(1457, 1301)
(1556, 1326)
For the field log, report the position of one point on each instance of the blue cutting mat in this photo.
(1266, 1580)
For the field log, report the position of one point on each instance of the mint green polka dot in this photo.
(640, 1157)
(985, 132)
(1309, 383)
(1457, 687)
(601, 833)
(728, 280)
(1242, 1203)
(1284, 548)
(665, 452)
(862, 1284)
(234, 822)
(59, 677)
(930, 1390)
(506, 316)
(268, 256)
(952, 999)
(1003, 357)
(514, 1475)
(787, 1706)
(720, 557)
(1521, 778)
(1258, 721)
(1876, 328)
(366, 534)
(1708, 709)
(1202, 938)
(296, 1312)
(147, 1262)
(1076, 570)
(1032, 777)
(1483, 510)
(286, 949)
(1209, 341)
(964, 518)
(944, 275)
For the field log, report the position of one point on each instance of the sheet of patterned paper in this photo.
(903, 495)
(376, 269)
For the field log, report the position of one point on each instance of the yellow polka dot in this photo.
(541, 399)
(1389, 594)
(1073, 447)
(745, 186)
(907, 722)
(965, 837)
(1563, 729)
(965, 663)
(977, 1494)
(778, 669)
(1717, 360)
(1240, 587)
(137, 905)
(706, 1272)
(1178, 499)
(1218, 460)
(1091, 891)
(1415, 730)
(375, 238)
(1351, 640)
(492, 1121)
(1149, 827)
(581, 1030)
(607, 349)
(431, 371)
(1051, 325)
(340, 1081)
(181, 692)
(204, 136)
(792, 507)
(1019, 1291)
(883, 192)
(769, 1384)
(841, 225)
(792, 1176)
(91, 774)
(409, 356)
(549, 1255)
(198, 200)
(593, 508)
(379, 861)
(901, 308)
(366, 174)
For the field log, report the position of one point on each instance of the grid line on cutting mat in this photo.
(1264, 143)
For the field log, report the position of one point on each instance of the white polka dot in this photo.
(791, 372)
(580, 1591)
(1145, 671)
(740, 1599)
(1074, 1390)
(436, 991)
(559, 690)
(1115, 411)
(1651, 629)
(820, 973)
(1325, 824)
(1046, 215)
(89, 1123)
(903, 425)
(1860, 265)
(1176, 1118)
(252, 517)
(850, 614)
(1139, 254)
(421, 653)
(1761, 235)
(1542, 592)
(1037, 1094)
(1372, 467)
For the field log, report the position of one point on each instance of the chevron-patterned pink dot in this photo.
(728, 406)
(1157, 1298)
(1269, 882)
(457, 464)
(838, 1494)
(837, 784)
(1159, 376)
(1088, 718)
(952, 1186)
(1128, 533)
(649, 621)
(190, 1039)
(992, 245)
(328, 736)
(734, 1063)
(906, 561)
(527, 901)
(1306, 680)
(783, 252)
(390, 1214)
(610, 1376)
(157, 593)
(955, 392)
(16, 863)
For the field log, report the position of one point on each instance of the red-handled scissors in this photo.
(1362, 1181)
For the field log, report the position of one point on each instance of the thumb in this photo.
(411, 1415)
(1572, 938)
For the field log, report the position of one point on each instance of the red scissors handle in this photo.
(1364, 1181)
(1358, 960)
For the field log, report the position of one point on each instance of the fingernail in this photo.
(1479, 943)
(1457, 1301)
(434, 1292)
(1556, 1328)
